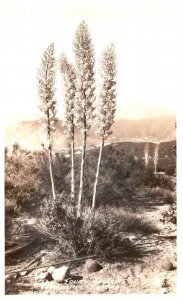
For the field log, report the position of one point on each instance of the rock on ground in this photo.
(61, 273)
(92, 265)
(167, 265)
(51, 269)
(41, 277)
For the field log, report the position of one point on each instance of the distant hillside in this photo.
(166, 149)
(29, 134)
(162, 128)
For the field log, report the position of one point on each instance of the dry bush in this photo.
(158, 192)
(103, 233)
(170, 215)
(23, 187)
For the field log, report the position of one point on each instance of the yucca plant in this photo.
(46, 88)
(85, 98)
(146, 154)
(156, 156)
(107, 104)
(69, 77)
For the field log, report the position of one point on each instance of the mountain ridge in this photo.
(29, 135)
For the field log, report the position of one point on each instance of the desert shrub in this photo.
(59, 216)
(27, 179)
(23, 187)
(102, 234)
(166, 182)
(170, 215)
(149, 177)
(61, 173)
(170, 170)
(120, 175)
(23, 184)
(10, 208)
(157, 180)
(127, 222)
(15, 226)
(53, 212)
(11, 212)
(158, 192)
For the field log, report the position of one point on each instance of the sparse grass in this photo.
(166, 182)
(123, 221)
(158, 192)
(163, 181)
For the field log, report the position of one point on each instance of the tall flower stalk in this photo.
(107, 105)
(146, 154)
(156, 156)
(69, 78)
(85, 98)
(46, 89)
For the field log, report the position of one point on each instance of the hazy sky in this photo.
(146, 34)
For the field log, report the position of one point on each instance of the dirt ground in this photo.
(139, 275)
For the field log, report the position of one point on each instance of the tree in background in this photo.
(85, 98)
(69, 77)
(46, 88)
(107, 104)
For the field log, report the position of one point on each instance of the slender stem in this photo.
(49, 137)
(51, 172)
(156, 157)
(82, 174)
(97, 174)
(146, 154)
(72, 171)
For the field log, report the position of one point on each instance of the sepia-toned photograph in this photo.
(90, 146)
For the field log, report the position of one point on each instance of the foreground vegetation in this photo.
(28, 194)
